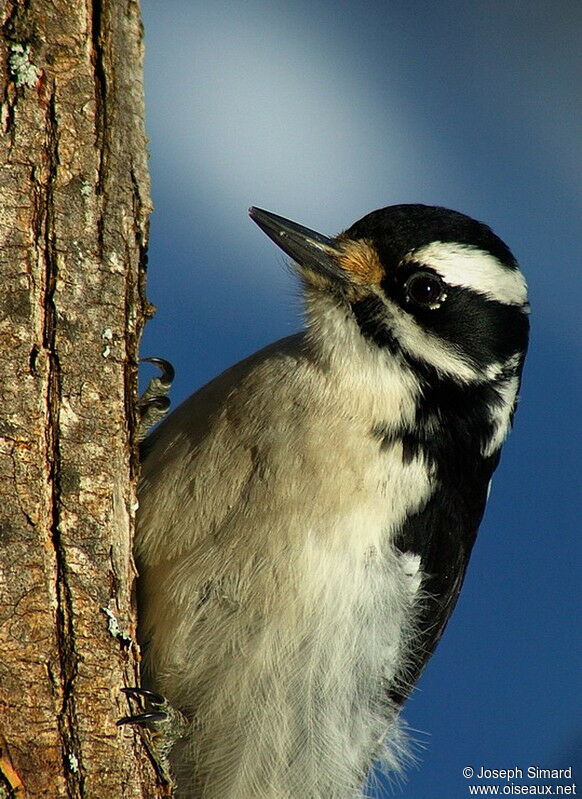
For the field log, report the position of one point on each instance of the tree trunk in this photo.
(74, 203)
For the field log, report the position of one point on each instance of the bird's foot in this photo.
(166, 724)
(154, 402)
(149, 716)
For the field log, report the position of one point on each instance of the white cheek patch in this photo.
(427, 347)
(469, 267)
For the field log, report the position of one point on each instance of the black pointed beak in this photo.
(309, 249)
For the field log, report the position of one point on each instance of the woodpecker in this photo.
(306, 518)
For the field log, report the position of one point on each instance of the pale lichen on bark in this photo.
(74, 202)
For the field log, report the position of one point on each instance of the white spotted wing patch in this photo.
(410, 564)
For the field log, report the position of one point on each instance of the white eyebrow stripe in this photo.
(472, 268)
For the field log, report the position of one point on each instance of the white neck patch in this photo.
(469, 267)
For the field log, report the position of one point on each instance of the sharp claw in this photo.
(142, 718)
(165, 367)
(155, 699)
(154, 404)
(149, 715)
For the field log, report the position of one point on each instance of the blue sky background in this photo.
(322, 111)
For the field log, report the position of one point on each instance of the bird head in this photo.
(426, 284)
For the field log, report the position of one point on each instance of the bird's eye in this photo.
(425, 289)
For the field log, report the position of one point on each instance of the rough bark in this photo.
(74, 202)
